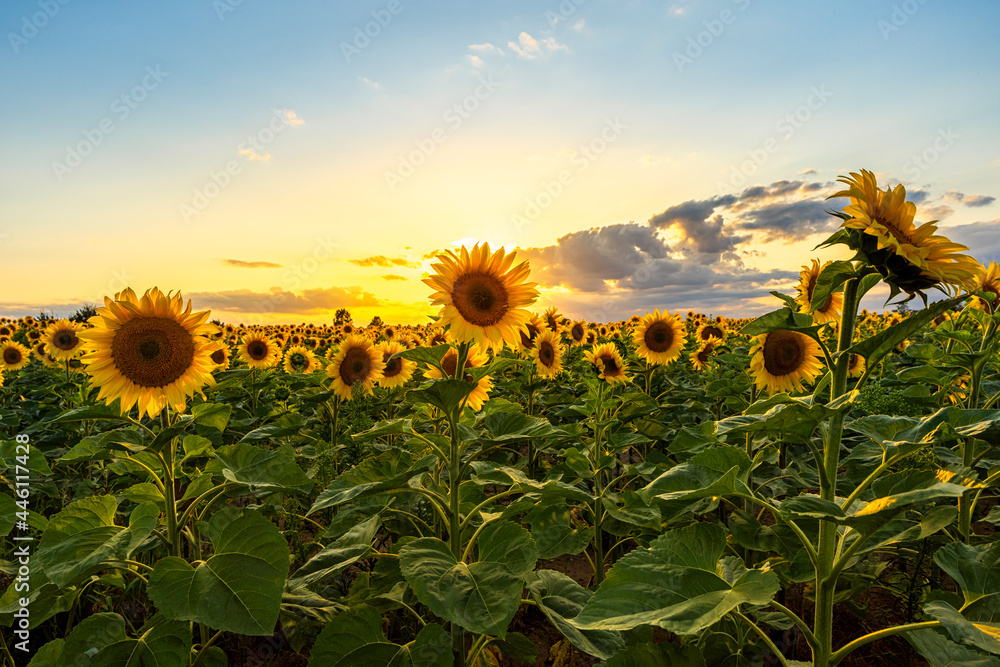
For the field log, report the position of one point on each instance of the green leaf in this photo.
(212, 415)
(285, 425)
(389, 470)
(877, 346)
(337, 557)
(561, 599)
(445, 395)
(238, 589)
(784, 318)
(674, 584)
(829, 281)
(160, 643)
(898, 492)
(431, 356)
(480, 597)
(355, 639)
(81, 537)
(520, 648)
(985, 636)
(511, 426)
(258, 469)
(101, 411)
(942, 652)
(551, 528)
(656, 655)
(977, 572)
(509, 545)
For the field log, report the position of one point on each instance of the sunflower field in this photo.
(816, 486)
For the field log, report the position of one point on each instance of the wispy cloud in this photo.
(385, 262)
(291, 118)
(278, 300)
(254, 156)
(969, 200)
(486, 48)
(394, 276)
(374, 85)
(528, 47)
(475, 61)
(251, 265)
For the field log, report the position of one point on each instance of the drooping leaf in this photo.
(561, 599)
(258, 469)
(389, 470)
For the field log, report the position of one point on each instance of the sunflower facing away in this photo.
(476, 357)
(782, 359)
(61, 340)
(397, 370)
(259, 350)
(989, 282)
(910, 258)
(150, 351)
(299, 359)
(357, 361)
(659, 338)
(15, 356)
(483, 297)
(829, 311)
(700, 357)
(609, 362)
(547, 354)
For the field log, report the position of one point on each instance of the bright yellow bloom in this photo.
(659, 338)
(830, 310)
(357, 361)
(609, 363)
(259, 350)
(398, 371)
(782, 359)
(547, 354)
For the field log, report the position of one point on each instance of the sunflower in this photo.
(477, 356)
(437, 336)
(259, 350)
(483, 297)
(357, 361)
(856, 366)
(710, 330)
(782, 359)
(553, 320)
(547, 354)
(398, 371)
(578, 333)
(699, 358)
(609, 362)
(346, 329)
(880, 226)
(989, 282)
(149, 351)
(220, 357)
(830, 310)
(15, 356)
(61, 340)
(659, 338)
(7, 330)
(530, 331)
(299, 359)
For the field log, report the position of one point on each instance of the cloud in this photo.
(251, 265)
(936, 212)
(528, 47)
(291, 118)
(278, 300)
(789, 221)
(254, 156)
(374, 85)
(982, 237)
(807, 171)
(475, 61)
(393, 276)
(579, 25)
(969, 200)
(703, 230)
(385, 262)
(486, 48)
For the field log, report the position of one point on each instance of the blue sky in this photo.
(561, 129)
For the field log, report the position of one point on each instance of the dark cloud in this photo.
(251, 265)
(983, 238)
(917, 195)
(789, 221)
(384, 262)
(584, 260)
(974, 201)
(279, 300)
(704, 230)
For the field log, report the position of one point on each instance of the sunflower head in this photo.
(61, 340)
(609, 363)
(553, 320)
(300, 359)
(830, 310)
(397, 370)
(701, 356)
(149, 351)
(13, 356)
(856, 366)
(259, 350)
(781, 360)
(989, 282)
(710, 329)
(659, 338)
(482, 295)
(220, 357)
(530, 331)
(547, 354)
(357, 362)
(578, 333)
(878, 225)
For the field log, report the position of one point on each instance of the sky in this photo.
(275, 161)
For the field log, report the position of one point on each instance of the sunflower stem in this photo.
(826, 553)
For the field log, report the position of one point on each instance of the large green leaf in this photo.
(676, 584)
(985, 636)
(100, 640)
(656, 655)
(942, 652)
(389, 470)
(976, 569)
(238, 589)
(561, 599)
(481, 597)
(337, 557)
(442, 394)
(355, 639)
(897, 492)
(212, 415)
(877, 346)
(81, 537)
(510, 426)
(553, 531)
(259, 469)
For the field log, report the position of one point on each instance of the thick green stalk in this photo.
(826, 582)
(169, 500)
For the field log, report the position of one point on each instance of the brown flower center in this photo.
(218, 357)
(152, 351)
(577, 332)
(480, 298)
(659, 337)
(11, 356)
(356, 366)
(257, 350)
(784, 352)
(711, 330)
(65, 339)
(546, 354)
